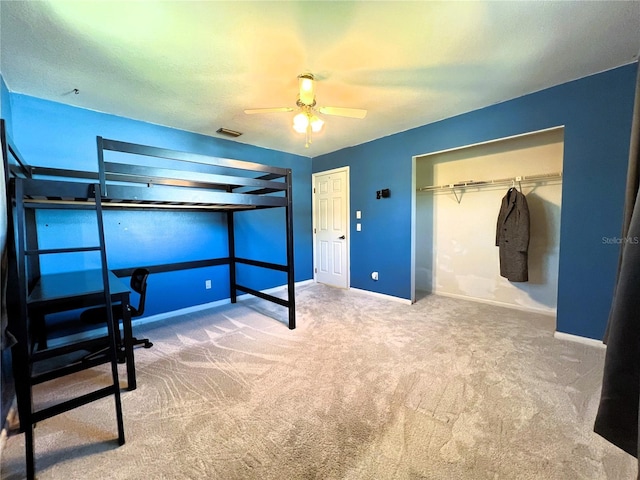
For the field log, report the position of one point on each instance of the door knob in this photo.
(342, 237)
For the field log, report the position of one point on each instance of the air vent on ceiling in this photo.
(230, 133)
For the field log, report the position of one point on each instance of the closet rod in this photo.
(501, 181)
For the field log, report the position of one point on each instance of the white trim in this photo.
(434, 251)
(382, 295)
(549, 313)
(333, 170)
(575, 338)
(174, 313)
(413, 228)
(345, 169)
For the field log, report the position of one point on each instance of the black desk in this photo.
(72, 290)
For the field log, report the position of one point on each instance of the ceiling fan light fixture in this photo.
(307, 121)
(303, 120)
(300, 122)
(316, 124)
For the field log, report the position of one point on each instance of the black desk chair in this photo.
(98, 315)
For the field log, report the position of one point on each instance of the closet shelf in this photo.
(501, 181)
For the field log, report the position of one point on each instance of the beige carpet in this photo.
(364, 388)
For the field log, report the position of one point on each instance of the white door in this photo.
(331, 227)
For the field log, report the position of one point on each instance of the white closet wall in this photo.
(455, 245)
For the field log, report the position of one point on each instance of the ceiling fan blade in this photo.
(344, 112)
(251, 111)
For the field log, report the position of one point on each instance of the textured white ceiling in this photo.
(197, 65)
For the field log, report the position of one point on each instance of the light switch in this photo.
(358, 227)
(358, 214)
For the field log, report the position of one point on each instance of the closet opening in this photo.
(458, 197)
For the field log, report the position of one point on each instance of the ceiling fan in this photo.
(307, 120)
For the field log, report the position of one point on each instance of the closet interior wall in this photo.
(455, 234)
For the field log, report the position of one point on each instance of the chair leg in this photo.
(120, 350)
(141, 341)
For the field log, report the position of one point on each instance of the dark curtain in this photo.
(617, 417)
(6, 339)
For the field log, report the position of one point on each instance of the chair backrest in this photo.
(139, 285)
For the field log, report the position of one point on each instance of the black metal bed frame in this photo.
(199, 183)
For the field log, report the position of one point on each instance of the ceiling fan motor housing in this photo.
(307, 94)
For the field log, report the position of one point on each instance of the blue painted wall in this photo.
(55, 135)
(596, 112)
(5, 104)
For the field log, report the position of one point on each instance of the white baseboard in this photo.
(174, 313)
(578, 339)
(552, 313)
(542, 311)
(382, 295)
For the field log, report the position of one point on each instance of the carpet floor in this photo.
(364, 388)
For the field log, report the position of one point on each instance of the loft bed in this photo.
(187, 181)
(148, 178)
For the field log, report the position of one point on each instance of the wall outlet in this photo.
(207, 284)
(374, 276)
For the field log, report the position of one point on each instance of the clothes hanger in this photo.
(513, 184)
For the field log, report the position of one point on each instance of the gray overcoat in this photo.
(512, 236)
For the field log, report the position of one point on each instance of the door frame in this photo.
(348, 219)
(414, 188)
